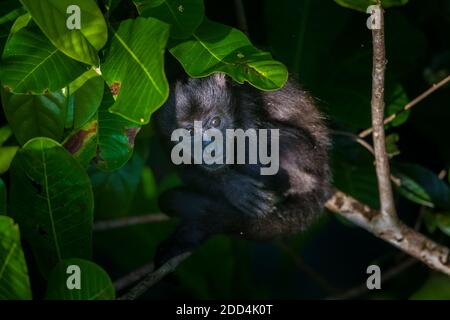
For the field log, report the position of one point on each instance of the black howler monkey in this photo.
(236, 198)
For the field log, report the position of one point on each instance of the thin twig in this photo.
(133, 276)
(154, 277)
(381, 158)
(409, 105)
(306, 268)
(129, 221)
(241, 17)
(386, 276)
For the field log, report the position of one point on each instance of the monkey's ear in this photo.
(220, 79)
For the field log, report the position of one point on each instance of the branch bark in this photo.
(387, 203)
(129, 221)
(133, 276)
(154, 277)
(398, 234)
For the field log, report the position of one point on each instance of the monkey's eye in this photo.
(215, 122)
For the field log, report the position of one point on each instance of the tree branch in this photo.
(154, 277)
(129, 221)
(387, 204)
(133, 276)
(398, 234)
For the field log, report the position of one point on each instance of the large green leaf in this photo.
(82, 44)
(184, 16)
(14, 282)
(362, 5)
(51, 199)
(2, 198)
(216, 47)
(95, 284)
(134, 68)
(31, 64)
(33, 116)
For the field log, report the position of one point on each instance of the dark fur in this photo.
(237, 199)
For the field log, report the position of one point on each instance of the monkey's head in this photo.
(208, 101)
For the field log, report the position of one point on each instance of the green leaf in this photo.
(31, 64)
(135, 70)
(14, 282)
(215, 47)
(422, 186)
(82, 144)
(109, 138)
(2, 198)
(6, 156)
(361, 5)
(20, 23)
(437, 287)
(95, 283)
(115, 137)
(87, 99)
(51, 198)
(82, 44)
(184, 16)
(33, 116)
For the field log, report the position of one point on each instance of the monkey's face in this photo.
(205, 105)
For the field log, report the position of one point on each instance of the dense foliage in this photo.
(77, 143)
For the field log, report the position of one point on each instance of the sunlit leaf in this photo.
(215, 47)
(31, 64)
(133, 68)
(80, 44)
